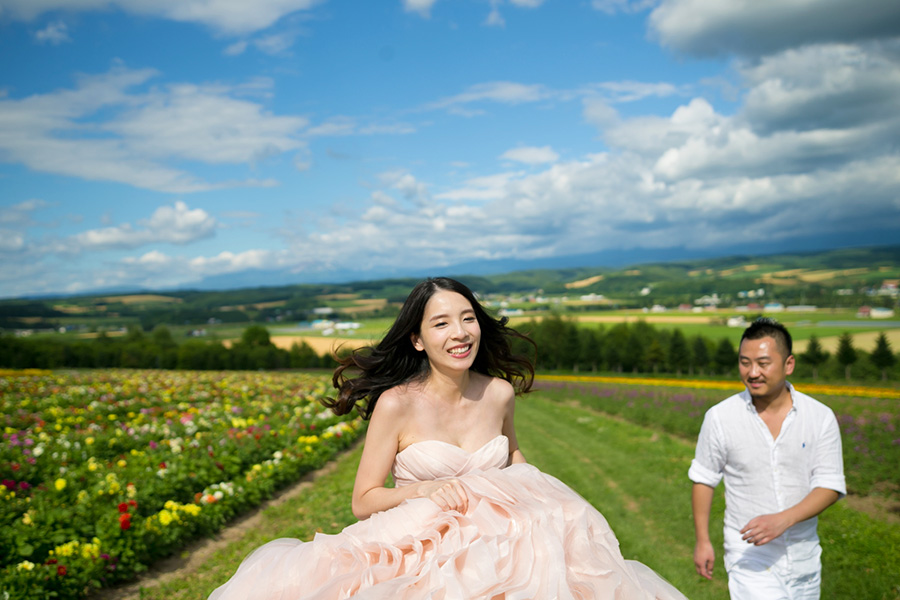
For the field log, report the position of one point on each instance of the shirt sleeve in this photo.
(828, 465)
(709, 458)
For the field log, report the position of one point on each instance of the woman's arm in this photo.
(508, 397)
(382, 443)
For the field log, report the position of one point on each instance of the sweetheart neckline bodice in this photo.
(442, 442)
(434, 459)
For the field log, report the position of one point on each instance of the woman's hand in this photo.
(448, 494)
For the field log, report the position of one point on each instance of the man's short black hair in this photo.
(768, 327)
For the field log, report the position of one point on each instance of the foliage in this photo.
(136, 350)
(846, 353)
(814, 355)
(882, 356)
(564, 344)
(103, 472)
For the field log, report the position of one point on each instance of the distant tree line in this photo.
(158, 350)
(639, 347)
(562, 345)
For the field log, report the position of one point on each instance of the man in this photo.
(779, 452)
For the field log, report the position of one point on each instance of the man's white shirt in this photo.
(765, 475)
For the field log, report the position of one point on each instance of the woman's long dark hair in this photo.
(394, 360)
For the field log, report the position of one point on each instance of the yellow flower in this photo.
(60, 484)
(122, 464)
(91, 551)
(165, 517)
(88, 440)
(26, 565)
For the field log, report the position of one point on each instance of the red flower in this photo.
(162, 465)
(52, 561)
(125, 521)
(61, 570)
(132, 503)
(123, 507)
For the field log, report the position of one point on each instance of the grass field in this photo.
(635, 475)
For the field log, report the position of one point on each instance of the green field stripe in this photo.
(635, 476)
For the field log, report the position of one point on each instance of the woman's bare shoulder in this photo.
(396, 400)
(498, 389)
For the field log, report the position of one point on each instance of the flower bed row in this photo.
(104, 472)
(869, 421)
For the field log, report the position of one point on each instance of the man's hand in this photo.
(704, 559)
(765, 528)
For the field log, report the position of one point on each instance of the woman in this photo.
(468, 518)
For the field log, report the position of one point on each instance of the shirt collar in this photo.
(748, 401)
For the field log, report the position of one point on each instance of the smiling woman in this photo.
(468, 518)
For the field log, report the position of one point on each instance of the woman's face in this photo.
(449, 333)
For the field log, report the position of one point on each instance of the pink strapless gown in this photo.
(525, 536)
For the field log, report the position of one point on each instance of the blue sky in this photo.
(159, 144)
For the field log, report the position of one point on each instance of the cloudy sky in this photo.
(166, 143)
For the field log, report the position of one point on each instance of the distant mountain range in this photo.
(620, 274)
(608, 259)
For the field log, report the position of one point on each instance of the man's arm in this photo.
(765, 528)
(701, 503)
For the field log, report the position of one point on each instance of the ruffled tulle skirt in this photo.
(525, 535)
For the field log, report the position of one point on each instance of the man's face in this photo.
(764, 370)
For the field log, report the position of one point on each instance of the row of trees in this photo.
(641, 348)
(158, 350)
(562, 344)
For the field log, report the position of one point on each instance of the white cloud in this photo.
(631, 91)
(490, 187)
(204, 124)
(236, 48)
(19, 214)
(63, 132)
(176, 224)
(408, 186)
(599, 113)
(225, 16)
(745, 27)
(11, 241)
(54, 33)
(336, 126)
(494, 18)
(422, 7)
(823, 86)
(503, 92)
(611, 7)
(531, 155)
(276, 43)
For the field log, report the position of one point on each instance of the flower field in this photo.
(104, 472)
(869, 417)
